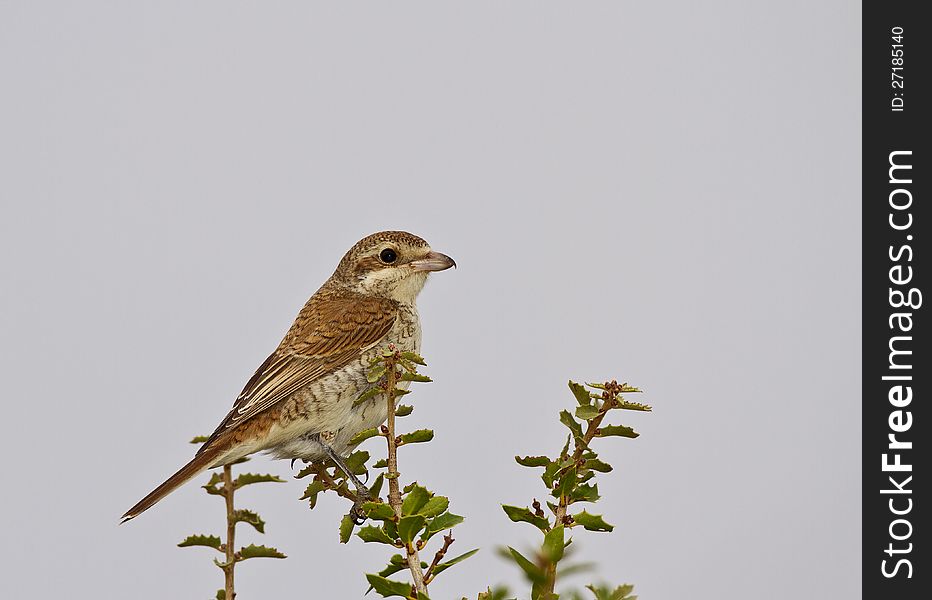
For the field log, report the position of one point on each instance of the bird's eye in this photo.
(388, 256)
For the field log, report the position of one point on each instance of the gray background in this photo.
(666, 192)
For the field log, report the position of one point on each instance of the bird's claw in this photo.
(357, 514)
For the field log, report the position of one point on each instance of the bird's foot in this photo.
(357, 514)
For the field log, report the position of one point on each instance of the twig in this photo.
(394, 493)
(230, 548)
(592, 429)
(320, 471)
(447, 542)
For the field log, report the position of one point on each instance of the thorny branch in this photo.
(447, 542)
(230, 549)
(609, 401)
(392, 474)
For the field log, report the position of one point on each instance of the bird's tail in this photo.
(202, 461)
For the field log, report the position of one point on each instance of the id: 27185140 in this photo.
(897, 102)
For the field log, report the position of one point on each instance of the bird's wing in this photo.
(328, 334)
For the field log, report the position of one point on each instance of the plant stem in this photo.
(581, 445)
(447, 542)
(592, 429)
(394, 493)
(231, 533)
(321, 472)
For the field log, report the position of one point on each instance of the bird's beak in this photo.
(434, 261)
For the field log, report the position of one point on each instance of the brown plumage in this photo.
(299, 403)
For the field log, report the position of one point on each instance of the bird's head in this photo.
(391, 264)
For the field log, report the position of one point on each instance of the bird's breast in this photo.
(326, 405)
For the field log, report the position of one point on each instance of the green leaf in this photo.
(592, 522)
(247, 516)
(441, 567)
(620, 430)
(564, 453)
(409, 376)
(409, 527)
(249, 478)
(346, 528)
(404, 410)
(388, 588)
(575, 428)
(594, 464)
(440, 523)
(622, 592)
(625, 405)
(417, 437)
(376, 486)
(371, 533)
(493, 594)
(553, 545)
(369, 394)
(356, 462)
(575, 568)
(395, 564)
(585, 493)
(313, 489)
(520, 514)
(199, 439)
(625, 388)
(378, 511)
(534, 573)
(550, 473)
(566, 484)
(210, 541)
(414, 357)
(221, 595)
(307, 470)
(362, 436)
(415, 499)
(407, 365)
(253, 551)
(566, 463)
(376, 373)
(380, 464)
(532, 461)
(212, 484)
(434, 506)
(581, 393)
(390, 529)
(587, 412)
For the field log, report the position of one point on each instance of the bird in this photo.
(300, 403)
